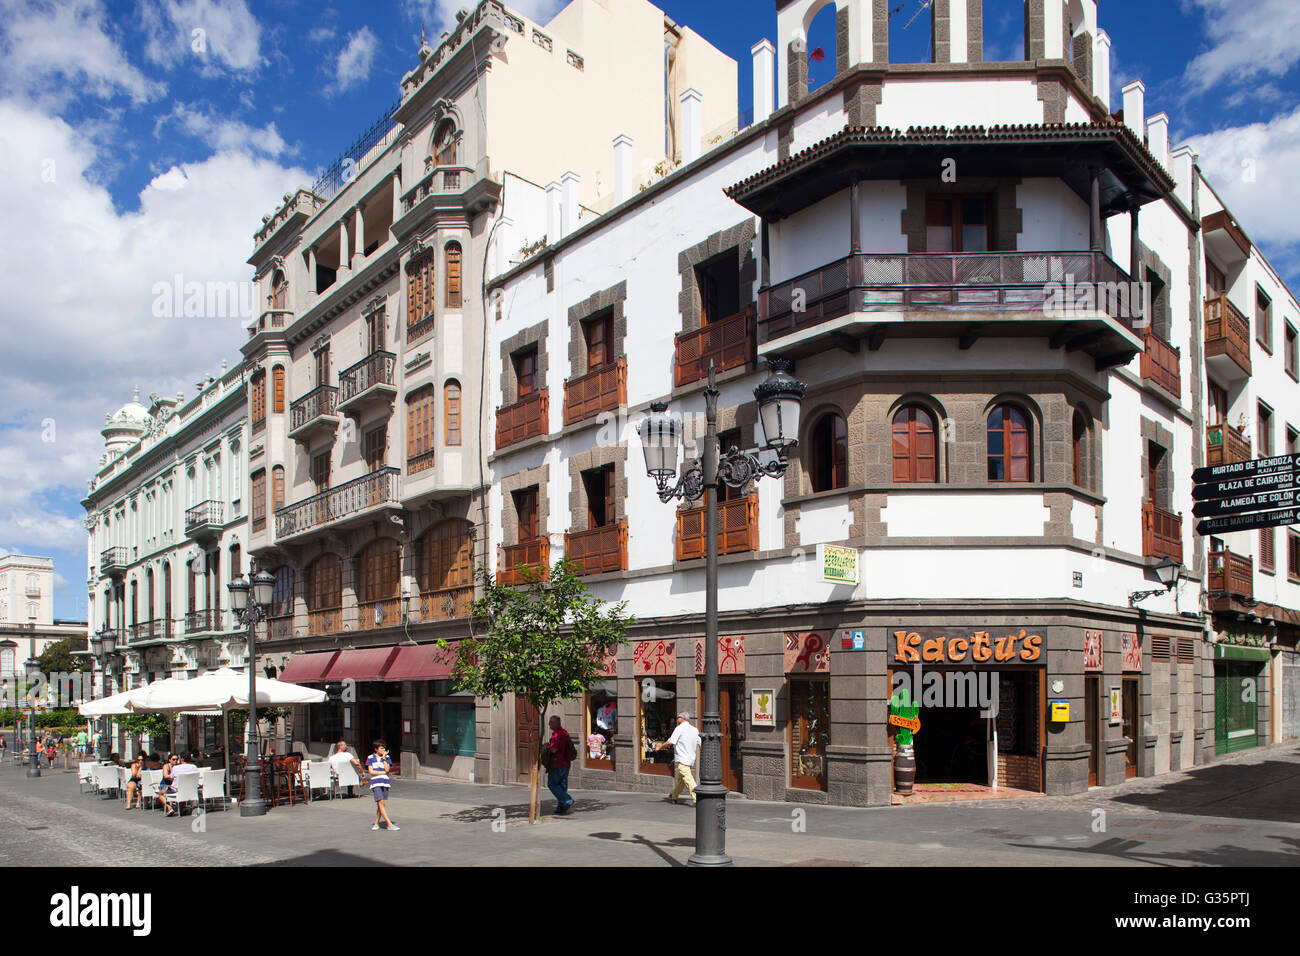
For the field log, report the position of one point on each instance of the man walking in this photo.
(81, 743)
(557, 777)
(685, 742)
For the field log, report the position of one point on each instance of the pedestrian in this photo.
(378, 765)
(685, 741)
(3, 745)
(342, 756)
(81, 743)
(50, 753)
(563, 753)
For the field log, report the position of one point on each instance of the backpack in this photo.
(570, 750)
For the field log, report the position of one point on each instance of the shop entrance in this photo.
(526, 736)
(731, 712)
(379, 717)
(1091, 699)
(1237, 687)
(1131, 726)
(951, 746)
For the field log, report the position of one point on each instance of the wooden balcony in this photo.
(316, 412)
(203, 521)
(1162, 533)
(1079, 300)
(523, 420)
(447, 604)
(598, 550)
(280, 628)
(1224, 445)
(1225, 240)
(727, 343)
(327, 620)
(1160, 364)
(1227, 340)
(1232, 574)
(421, 462)
(600, 390)
(370, 381)
(737, 528)
(340, 504)
(112, 561)
(533, 555)
(383, 613)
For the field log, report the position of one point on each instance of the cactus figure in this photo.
(902, 706)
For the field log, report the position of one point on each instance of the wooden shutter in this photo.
(277, 487)
(526, 509)
(451, 412)
(278, 374)
(453, 275)
(915, 449)
(419, 289)
(1267, 559)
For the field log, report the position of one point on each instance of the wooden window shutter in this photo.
(1160, 647)
(279, 388)
(453, 275)
(451, 412)
(277, 487)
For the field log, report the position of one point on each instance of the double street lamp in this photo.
(249, 614)
(103, 646)
(33, 668)
(780, 398)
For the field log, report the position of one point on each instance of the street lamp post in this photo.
(103, 646)
(249, 614)
(1168, 572)
(779, 399)
(33, 669)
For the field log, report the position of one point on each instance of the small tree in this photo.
(57, 658)
(546, 641)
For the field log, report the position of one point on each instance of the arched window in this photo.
(451, 412)
(916, 447)
(445, 145)
(452, 272)
(257, 399)
(282, 592)
(419, 293)
(1009, 444)
(167, 597)
(446, 570)
(828, 466)
(1079, 445)
(277, 488)
(380, 583)
(324, 594)
(277, 376)
(148, 587)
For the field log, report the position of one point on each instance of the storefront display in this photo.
(810, 732)
(600, 723)
(657, 704)
(451, 720)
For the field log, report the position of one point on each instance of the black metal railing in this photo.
(344, 169)
(377, 368)
(205, 619)
(321, 400)
(112, 558)
(206, 513)
(377, 488)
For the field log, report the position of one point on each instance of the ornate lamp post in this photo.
(1168, 571)
(779, 397)
(103, 646)
(33, 670)
(250, 614)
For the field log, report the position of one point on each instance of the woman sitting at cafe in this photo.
(133, 783)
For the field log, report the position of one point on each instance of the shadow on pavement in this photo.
(1225, 855)
(519, 811)
(1269, 790)
(638, 840)
(330, 858)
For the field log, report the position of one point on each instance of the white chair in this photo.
(149, 781)
(318, 777)
(107, 779)
(187, 790)
(85, 777)
(213, 785)
(123, 777)
(348, 776)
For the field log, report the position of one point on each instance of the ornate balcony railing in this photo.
(351, 497)
(727, 343)
(524, 419)
(270, 320)
(112, 560)
(320, 402)
(445, 604)
(382, 613)
(326, 620)
(377, 368)
(204, 619)
(203, 516)
(1227, 332)
(601, 390)
(1224, 445)
(1160, 364)
(150, 630)
(441, 180)
(1162, 533)
(737, 528)
(929, 282)
(534, 554)
(421, 462)
(1232, 574)
(598, 550)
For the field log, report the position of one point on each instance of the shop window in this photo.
(829, 467)
(810, 732)
(657, 704)
(600, 709)
(451, 720)
(325, 720)
(1009, 444)
(915, 445)
(1018, 713)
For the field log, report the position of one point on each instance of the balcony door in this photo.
(599, 336)
(526, 510)
(719, 282)
(323, 365)
(599, 486)
(955, 223)
(1216, 284)
(1218, 404)
(526, 372)
(376, 445)
(375, 332)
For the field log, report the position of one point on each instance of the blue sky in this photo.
(133, 147)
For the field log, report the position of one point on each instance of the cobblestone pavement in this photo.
(1241, 810)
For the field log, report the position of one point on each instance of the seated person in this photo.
(342, 757)
(167, 785)
(133, 783)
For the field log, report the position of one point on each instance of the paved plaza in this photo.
(1241, 811)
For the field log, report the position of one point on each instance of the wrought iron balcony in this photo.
(1224, 445)
(524, 419)
(372, 379)
(1227, 340)
(202, 620)
(598, 550)
(317, 411)
(204, 520)
(727, 343)
(112, 561)
(157, 629)
(339, 504)
(602, 389)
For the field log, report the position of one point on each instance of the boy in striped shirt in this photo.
(377, 766)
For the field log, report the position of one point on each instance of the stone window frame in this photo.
(1153, 431)
(598, 456)
(807, 425)
(1008, 217)
(533, 335)
(520, 481)
(611, 299)
(1161, 318)
(1090, 459)
(1037, 438)
(942, 422)
(742, 237)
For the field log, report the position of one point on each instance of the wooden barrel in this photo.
(904, 769)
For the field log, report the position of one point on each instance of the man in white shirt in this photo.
(341, 757)
(685, 741)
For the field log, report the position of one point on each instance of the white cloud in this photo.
(216, 34)
(222, 133)
(80, 287)
(53, 52)
(440, 15)
(352, 68)
(1246, 41)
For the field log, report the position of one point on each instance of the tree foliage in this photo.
(57, 657)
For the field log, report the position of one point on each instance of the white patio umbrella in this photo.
(224, 690)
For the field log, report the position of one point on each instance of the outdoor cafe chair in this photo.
(348, 777)
(318, 777)
(107, 779)
(149, 782)
(187, 790)
(85, 777)
(288, 778)
(213, 785)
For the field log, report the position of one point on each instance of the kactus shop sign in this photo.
(936, 645)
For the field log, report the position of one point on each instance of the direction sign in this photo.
(1249, 484)
(1247, 522)
(1257, 502)
(1238, 469)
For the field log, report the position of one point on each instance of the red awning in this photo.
(307, 668)
(367, 663)
(422, 662)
